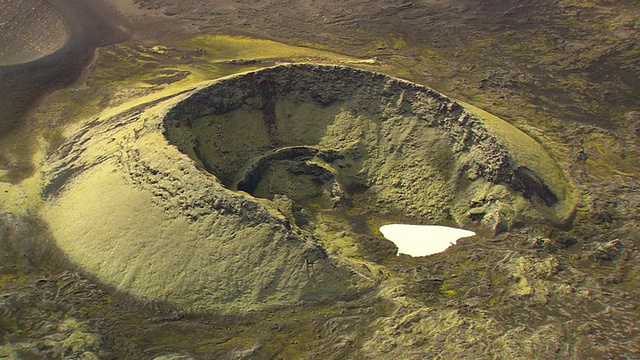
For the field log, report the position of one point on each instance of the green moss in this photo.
(531, 154)
(330, 229)
(606, 158)
(448, 292)
(222, 48)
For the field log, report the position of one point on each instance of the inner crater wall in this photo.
(411, 149)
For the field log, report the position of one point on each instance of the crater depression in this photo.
(336, 133)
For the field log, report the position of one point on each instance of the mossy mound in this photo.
(237, 225)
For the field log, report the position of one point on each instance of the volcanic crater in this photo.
(264, 188)
(327, 135)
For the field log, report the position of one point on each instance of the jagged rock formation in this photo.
(147, 199)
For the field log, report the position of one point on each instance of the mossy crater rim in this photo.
(328, 134)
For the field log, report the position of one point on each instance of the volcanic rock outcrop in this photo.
(181, 200)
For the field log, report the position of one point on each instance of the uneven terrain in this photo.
(199, 194)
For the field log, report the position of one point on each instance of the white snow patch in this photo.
(423, 240)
